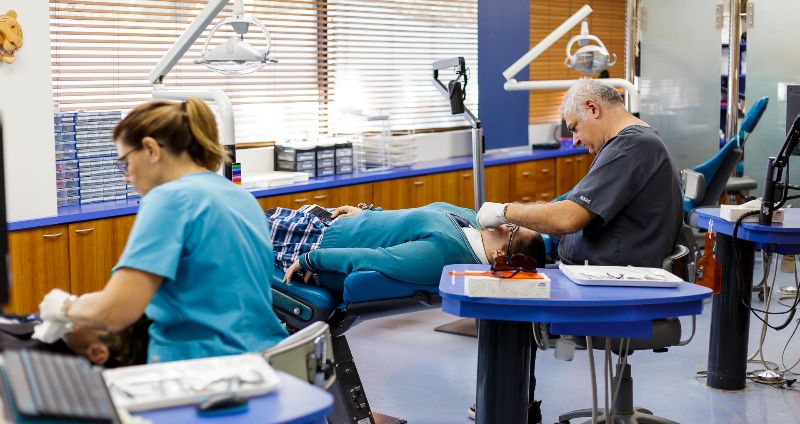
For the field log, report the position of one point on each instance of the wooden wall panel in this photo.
(607, 21)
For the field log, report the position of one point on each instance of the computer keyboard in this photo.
(49, 385)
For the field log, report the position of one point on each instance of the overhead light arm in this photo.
(513, 85)
(185, 41)
(546, 42)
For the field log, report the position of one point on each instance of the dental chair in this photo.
(366, 294)
(666, 333)
(707, 182)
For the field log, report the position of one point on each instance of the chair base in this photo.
(379, 418)
(625, 413)
(461, 327)
(639, 416)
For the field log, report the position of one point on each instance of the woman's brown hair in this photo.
(188, 127)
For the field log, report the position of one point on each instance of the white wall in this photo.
(26, 105)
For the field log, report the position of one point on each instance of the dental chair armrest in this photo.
(694, 184)
(306, 354)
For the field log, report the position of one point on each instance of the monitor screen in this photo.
(792, 109)
(5, 275)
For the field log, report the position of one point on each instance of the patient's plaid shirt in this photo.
(293, 232)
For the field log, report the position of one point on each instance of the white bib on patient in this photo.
(476, 241)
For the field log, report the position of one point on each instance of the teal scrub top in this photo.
(209, 239)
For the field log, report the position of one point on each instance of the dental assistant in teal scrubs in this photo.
(198, 260)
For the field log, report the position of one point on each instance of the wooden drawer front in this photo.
(94, 249)
(352, 195)
(295, 200)
(541, 196)
(498, 183)
(405, 192)
(532, 179)
(569, 172)
(464, 190)
(39, 260)
(566, 174)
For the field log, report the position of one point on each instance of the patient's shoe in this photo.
(534, 412)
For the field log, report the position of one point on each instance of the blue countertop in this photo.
(102, 210)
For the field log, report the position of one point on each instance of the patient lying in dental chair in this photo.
(410, 245)
(124, 348)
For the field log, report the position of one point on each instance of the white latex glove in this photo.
(51, 332)
(491, 215)
(52, 306)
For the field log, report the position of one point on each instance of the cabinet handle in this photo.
(545, 170)
(84, 231)
(419, 183)
(546, 195)
(526, 173)
(466, 175)
(321, 197)
(52, 236)
(568, 160)
(300, 200)
(579, 160)
(526, 198)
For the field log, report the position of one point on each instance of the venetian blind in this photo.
(102, 52)
(381, 55)
(607, 21)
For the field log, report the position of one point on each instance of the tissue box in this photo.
(734, 212)
(507, 288)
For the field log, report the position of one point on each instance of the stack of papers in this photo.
(591, 275)
(167, 384)
(524, 285)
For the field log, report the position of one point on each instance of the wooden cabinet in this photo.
(329, 198)
(408, 192)
(351, 195)
(295, 200)
(533, 181)
(78, 257)
(39, 262)
(94, 248)
(569, 171)
(498, 188)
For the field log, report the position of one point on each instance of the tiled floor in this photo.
(427, 377)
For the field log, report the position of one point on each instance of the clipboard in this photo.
(621, 276)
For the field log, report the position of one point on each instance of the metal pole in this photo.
(732, 117)
(477, 167)
(631, 41)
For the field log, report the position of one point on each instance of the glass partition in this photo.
(772, 62)
(680, 78)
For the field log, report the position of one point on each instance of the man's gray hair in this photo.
(589, 89)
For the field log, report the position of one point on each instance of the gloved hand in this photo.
(52, 306)
(492, 215)
(50, 331)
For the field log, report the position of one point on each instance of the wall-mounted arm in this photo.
(456, 94)
(513, 85)
(633, 93)
(546, 42)
(775, 165)
(185, 41)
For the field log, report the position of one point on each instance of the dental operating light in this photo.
(233, 57)
(588, 58)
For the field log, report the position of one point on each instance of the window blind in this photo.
(337, 59)
(381, 55)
